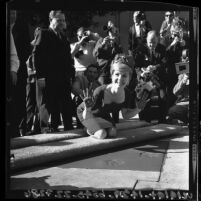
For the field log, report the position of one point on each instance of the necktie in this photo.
(59, 35)
(152, 55)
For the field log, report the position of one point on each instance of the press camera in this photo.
(140, 16)
(182, 67)
(107, 28)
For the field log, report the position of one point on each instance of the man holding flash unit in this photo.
(180, 110)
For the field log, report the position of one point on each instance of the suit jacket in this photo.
(133, 40)
(52, 57)
(144, 59)
(21, 38)
(104, 55)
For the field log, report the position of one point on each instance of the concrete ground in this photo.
(155, 164)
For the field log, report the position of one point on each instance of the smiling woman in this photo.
(95, 112)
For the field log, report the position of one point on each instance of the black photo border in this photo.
(194, 135)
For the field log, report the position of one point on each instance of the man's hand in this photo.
(141, 103)
(106, 40)
(176, 40)
(185, 79)
(150, 68)
(82, 40)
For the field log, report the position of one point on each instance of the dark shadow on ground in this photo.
(157, 147)
(56, 144)
(21, 143)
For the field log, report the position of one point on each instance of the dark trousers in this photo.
(31, 108)
(77, 101)
(20, 102)
(155, 109)
(11, 123)
(53, 98)
(172, 81)
(55, 119)
(180, 112)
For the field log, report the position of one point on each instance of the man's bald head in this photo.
(152, 39)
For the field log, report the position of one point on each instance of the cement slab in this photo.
(95, 173)
(175, 170)
(150, 185)
(33, 155)
(74, 178)
(118, 169)
(139, 158)
(176, 166)
(31, 140)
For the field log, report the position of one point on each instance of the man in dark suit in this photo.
(138, 31)
(150, 58)
(21, 37)
(54, 72)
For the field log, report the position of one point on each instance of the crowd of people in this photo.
(51, 80)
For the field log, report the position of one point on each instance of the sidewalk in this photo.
(158, 164)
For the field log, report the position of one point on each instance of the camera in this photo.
(182, 67)
(87, 39)
(79, 53)
(150, 76)
(107, 28)
(140, 16)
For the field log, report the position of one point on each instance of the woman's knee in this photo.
(100, 134)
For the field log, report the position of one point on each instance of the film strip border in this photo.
(104, 194)
(194, 102)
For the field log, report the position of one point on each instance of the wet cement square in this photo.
(147, 157)
(119, 169)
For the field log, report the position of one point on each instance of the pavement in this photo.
(143, 157)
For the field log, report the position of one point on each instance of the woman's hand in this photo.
(87, 99)
(88, 103)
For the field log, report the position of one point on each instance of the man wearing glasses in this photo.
(82, 50)
(165, 28)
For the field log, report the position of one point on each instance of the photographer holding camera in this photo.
(82, 50)
(173, 55)
(180, 110)
(138, 31)
(150, 68)
(105, 51)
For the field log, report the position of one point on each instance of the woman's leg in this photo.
(97, 127)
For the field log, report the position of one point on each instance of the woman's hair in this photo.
(121, 59)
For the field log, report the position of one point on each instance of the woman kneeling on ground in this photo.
(95, 111)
